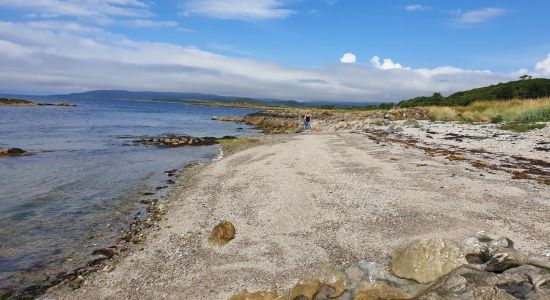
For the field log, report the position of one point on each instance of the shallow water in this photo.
(84, 175)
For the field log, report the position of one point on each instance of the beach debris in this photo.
(519, 175)
(454, 157)
(222, 233)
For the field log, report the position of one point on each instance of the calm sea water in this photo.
(84, 176)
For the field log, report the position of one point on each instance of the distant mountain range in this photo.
(146, 95)
(176, 96)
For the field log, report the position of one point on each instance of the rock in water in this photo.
(11, 152)
(222, 233)
(426, 260)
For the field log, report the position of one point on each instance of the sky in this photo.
(328, 50)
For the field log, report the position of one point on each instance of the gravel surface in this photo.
(316, 200)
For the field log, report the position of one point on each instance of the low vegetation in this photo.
(232, 146)
(521, 127)
(519, 111)
(521, 89)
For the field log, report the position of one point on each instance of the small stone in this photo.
(106, 252)
(77, 282)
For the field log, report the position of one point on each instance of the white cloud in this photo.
(36, 59)
(237, 9)
(348, 58)
(387, 64)
(480, 15)
(416, 7)
(543, 66)
(152, 24)
(80, 8)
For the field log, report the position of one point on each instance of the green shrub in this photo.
(537, 114)
(521, 127)
(497, 119)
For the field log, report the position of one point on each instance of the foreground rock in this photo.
(433, 269)
(11, 152)
(172, 140)
(21, 102)
(427, 260)
(222, 233)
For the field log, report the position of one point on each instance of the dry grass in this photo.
(522, 111)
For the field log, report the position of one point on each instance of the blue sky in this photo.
(293, 49)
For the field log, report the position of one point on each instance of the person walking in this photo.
(307, 121)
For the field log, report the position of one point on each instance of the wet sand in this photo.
(313, 201)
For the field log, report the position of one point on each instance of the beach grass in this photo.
(514, 111)
(521, 127)
(234, 145)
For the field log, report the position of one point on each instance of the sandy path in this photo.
(314, 201)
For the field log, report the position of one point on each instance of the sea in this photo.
(83, 176)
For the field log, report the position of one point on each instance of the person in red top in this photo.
(307, 121)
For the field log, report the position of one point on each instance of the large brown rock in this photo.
(426, 260)
(222, 233)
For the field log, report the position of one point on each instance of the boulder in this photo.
(411, 123)
(426, 260)
(222, 233)
(504, 259)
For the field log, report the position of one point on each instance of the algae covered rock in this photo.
(222, 233)
(427, 260)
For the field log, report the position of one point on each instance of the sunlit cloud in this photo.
(237, 9)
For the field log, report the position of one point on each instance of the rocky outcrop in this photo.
(21, 102)
(63, 104)
(11, 152)
(16, 102)
(291, 120)
(172, 140)
(478, 268)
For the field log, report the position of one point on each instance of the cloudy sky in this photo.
(339, 50)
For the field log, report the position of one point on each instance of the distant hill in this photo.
(176, 96)
(521, 89)
(146, 95)
(129, 95)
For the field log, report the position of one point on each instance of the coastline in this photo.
(253, 261)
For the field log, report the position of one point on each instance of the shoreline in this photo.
(105, 258)
(195, 239)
